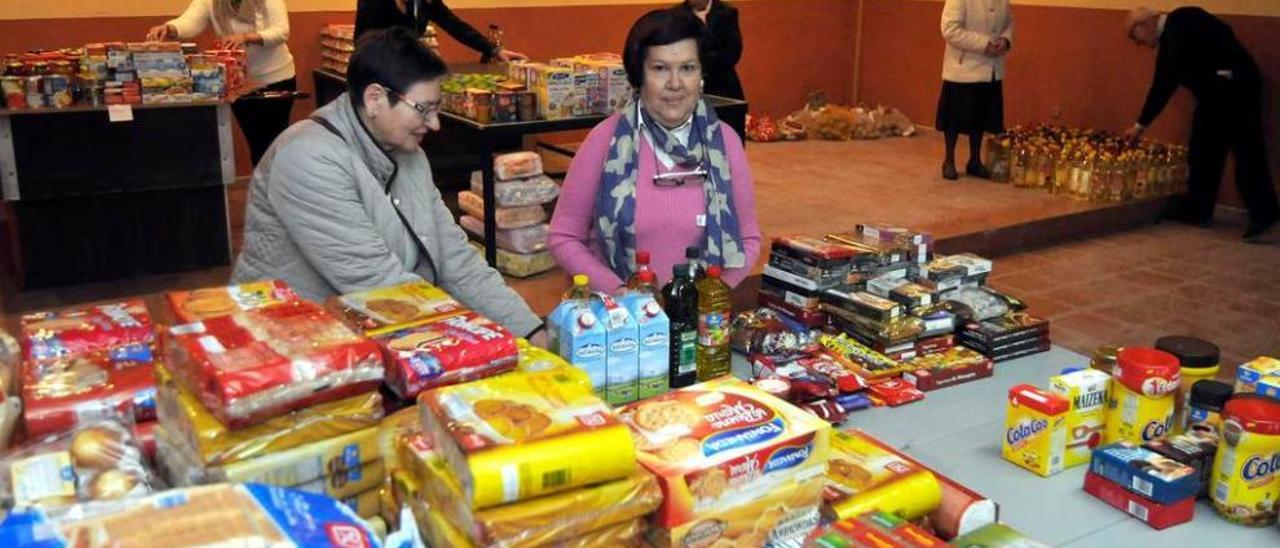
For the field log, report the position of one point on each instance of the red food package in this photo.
(59, 396)
(817, 248)
(146, 432)
(123, 332)
(448, 351)
(1158, 516)
(211, 302)
(259, 363)
(894, 392)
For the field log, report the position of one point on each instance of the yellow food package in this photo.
(736, 463)
(392, 432)
(297, 466)
(387, 309)
(436, 530)
(535, 359)
(864, 475)
(183, 416)
(211, 302)
(1035, 435)
(1250, 372)
(347, 482)
(1086, 390)
(523, 435)
(366, 504)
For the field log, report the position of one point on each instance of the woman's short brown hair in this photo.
(660, 28)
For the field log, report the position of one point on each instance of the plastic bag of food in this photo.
(61, 394)
(506, 217)
(517, 165)
(250, 366)
(101, 460)
(538, 189)
(211, 302)
(122, 332)
(763, 331)
(455, 349)
(530, 239)
(524, 265)
(834, 123)
(761, 128)
(386, 309)
(10, 360)
(221, 515)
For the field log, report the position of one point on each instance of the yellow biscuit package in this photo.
(736, 463)
(1035, 435)
(366, 504)
(183, 416)
(523, 435)
(392, 432)
(864, 475)
(212, 302)
(535, 359)
(297, 466)
(387, 309)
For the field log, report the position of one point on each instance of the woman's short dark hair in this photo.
(391, 57)
(659, 28)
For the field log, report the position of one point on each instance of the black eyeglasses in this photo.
(424, 111)
(678, 178)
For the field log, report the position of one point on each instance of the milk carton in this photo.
(581, 341)
(1035, 435)
(655, 349)
(1086, 391)
(588, 97)
(622, 365)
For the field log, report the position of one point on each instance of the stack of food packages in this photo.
(120, 73)
(337, 43)
(521, 191)
(1086, 164)
(583, 85)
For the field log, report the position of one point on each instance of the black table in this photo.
(490, 137)
(95, 200)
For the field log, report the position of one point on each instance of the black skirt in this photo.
(976, 107)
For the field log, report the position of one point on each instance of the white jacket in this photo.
(266, 64)
(968, 26)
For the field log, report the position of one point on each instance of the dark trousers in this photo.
(262, 119)
(1230, 120)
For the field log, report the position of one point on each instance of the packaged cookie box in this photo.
(796, 296)
(211, 302)
(879, 335)
(506, 218)
(385, 309)
(813, 319)
(123, 332)
(736, 464)
(1195, 448)
(190, 424)
(864, 304)
(253, 365)
(874, 528)
(964, 265)
(814, 251)
(1012, 327)
(523, 435)
(804, 283)
(58, 395)
(1150, 512)
(860, 358)
(1146, 472)
(450, 350)
(823, 273)
(530, 239)
(1250, 372)
(955, 366)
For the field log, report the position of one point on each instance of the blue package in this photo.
(853, 402)
(1146, 472)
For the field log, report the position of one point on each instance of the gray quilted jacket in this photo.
(322, 216)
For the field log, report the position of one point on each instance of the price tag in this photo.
(120, 113)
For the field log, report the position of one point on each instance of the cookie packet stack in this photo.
(521, 190)
(730, 454)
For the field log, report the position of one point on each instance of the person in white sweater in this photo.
(978, 34)
(261, 28)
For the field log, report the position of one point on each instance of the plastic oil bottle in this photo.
(714, 308)
(680, 296)
(578, 294)
(642, 266)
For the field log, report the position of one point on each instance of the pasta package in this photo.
(385, 309)
(517, 165)
(183, 417)
(522, 435)
(250, 366)
(211, 302)
(504, 217)
(534, 190)
(447, 351)
(530, 239)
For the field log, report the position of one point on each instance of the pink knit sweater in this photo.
(666, 217)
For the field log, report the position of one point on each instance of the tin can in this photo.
(1140, 406)
(1199, 361)
(1245, 486)
(15, 95)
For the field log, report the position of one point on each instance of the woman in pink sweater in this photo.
(661, 175)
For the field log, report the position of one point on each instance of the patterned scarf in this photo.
(616, 201)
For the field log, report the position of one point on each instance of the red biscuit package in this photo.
(894, 392)
(61, 395)
(455, 349)
(1158, 516)
(256, 364)
(211, 302)
(123, 332)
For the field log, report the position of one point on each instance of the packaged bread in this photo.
(505, 217)
(535, 190)
(60, 394)
(186, 419)
(737, 465)
(517, 165)
(122, 333)
(250, 366)
(211, 302)
(530, 239)
(447, 351)
(523, 435)
(10, 361)
(378, 311)
(524, 265)
(213, 515)
(101, 460)
(393, 430)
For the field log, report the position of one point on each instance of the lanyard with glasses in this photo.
(678, 178)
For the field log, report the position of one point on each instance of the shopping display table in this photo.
(957, 431)
(96, 200)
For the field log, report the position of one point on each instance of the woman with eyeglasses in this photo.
(661, 175)
(345, 202)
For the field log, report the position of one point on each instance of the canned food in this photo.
(15, 94)
(1245, 487)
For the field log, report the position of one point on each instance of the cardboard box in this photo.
(555, 90)
(1157, 515)
(955, 366)
(1250, 372)
(1086, 391)
(1145, 472)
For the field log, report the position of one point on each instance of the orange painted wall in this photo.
(1072, 66)
(791, 45)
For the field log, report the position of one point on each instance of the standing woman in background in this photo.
(415, 14)
(979, 33)
(724, 47)
(261, 28)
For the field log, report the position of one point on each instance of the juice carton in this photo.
(622, 360)
(655, 348)
(1086, 391)
(1035, 435)
(582, 342)
(554, 88)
